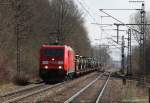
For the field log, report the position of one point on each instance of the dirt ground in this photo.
(117, 92)
(8, 87)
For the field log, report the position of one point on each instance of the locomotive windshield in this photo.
(53, 52)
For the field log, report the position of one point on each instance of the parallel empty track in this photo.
(85, 90)
(92, 93)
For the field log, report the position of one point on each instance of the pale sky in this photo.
(94, 15)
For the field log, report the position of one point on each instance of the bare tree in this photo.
(36, 22)
(136, 19)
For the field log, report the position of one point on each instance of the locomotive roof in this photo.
(57, 46)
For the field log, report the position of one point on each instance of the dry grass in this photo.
(6, 87)
(130, 93)
(21, 79)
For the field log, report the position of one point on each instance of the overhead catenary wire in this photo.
(121, 23)
(135, 1)
(86, 10)
(111, 38)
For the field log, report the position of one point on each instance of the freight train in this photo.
(59, 62)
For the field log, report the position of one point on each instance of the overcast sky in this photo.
(94, 16)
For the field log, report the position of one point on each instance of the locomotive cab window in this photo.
(53, 52)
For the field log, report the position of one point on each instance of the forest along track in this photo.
(32, 96)
(92, 93)
(60, 96)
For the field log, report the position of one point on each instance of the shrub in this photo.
(21, 79)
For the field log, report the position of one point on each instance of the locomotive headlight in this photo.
(46, 67)
(60, 67)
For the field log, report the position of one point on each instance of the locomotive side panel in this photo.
(70, 62)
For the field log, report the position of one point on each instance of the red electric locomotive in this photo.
(56, 62)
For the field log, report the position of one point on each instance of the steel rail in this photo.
(102, 91)
(32, 93)
(82, 90)
(20, 90)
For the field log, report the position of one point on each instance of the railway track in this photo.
(25, 92)
(70, 92)
(60, 93)
(31, 95)
(19, 90)
(92, 93)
